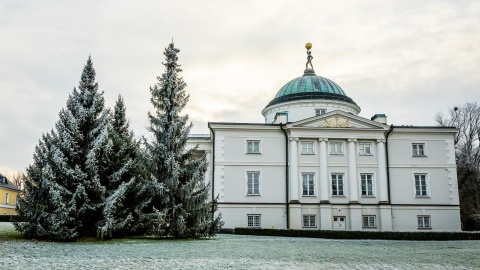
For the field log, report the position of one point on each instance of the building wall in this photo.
(400, 213)
(8, 207)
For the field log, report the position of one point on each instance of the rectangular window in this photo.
(367, 184)
(253, 221)
(418, 149)
(336, 148)
(424, 222)
(320, 112)
(365, 149)
(368, 222)
(7, 197)
(253, 183)
(421, 185)
(308, 184)
(308, 148)
(309, 221)
(337, 184)
(253, 147)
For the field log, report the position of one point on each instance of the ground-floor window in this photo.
(424, 222)
(253, 220)
(369, 222)
(309, 221)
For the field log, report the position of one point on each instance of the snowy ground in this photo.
(236, 252)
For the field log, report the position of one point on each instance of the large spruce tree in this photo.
(122, 189)
(65, 186)
(176, 201)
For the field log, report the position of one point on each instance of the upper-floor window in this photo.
(336, 148)
(309, 221)
(337, 184)
(421, 184)
(308, 148)
(418, 150)
(424, 222)
(367, 184)
(253, 147)
(253, 183)
(365, 149)
(253, 221)
(7, 197)
(308, 184)
(320, 112)
(368, 222)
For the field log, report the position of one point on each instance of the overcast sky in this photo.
(407, 59)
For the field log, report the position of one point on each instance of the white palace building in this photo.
(316, 164)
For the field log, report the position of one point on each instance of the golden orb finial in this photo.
(308, 46)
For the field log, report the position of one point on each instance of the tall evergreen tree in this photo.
(122, 189)
(177, 203)
(65, 189)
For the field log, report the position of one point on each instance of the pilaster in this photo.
(382, 172)
(294, 169)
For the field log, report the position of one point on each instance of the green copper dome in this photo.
(310, 86)
(309, 82)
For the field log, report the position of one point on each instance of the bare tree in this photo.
(467, 119)
(18, 179)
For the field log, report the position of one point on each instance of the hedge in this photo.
(415, 236)
(10, 218)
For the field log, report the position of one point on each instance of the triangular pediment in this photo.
(338, 119)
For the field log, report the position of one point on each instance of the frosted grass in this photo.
(237, 252)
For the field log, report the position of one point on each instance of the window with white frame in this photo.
(366, 180)
(418, 150)
(253, 147)
(253, 221)
(421, 184)
(365, 149)
(308, 184)
(253, 183)
(320, 112)
(424, 222)
(338, 184)
(368, 222)
(309, 221)
(7, 197)
(308, 148)
(336, 148)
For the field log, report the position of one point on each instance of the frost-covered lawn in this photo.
(236, 252)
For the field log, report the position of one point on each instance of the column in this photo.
(352, 171)
(323, 177)
(382, 172)
(293, 169)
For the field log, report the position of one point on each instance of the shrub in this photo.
(472, 223)
(10, 218)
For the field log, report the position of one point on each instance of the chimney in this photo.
(280, 118)
(380, 118)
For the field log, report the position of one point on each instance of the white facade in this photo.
(334, 170)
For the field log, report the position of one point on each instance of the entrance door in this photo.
(339, 223)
